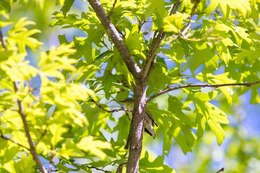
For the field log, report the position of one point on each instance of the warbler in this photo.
(148, 119)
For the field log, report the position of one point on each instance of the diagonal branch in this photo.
(16, 143)
(28, 135)
(188, 25)
(164, 91)
(26, 128)
(113, 7)
(42, 135)
(115, 37)
(152, 52)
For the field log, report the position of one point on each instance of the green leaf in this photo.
(159, 73)
(213, 116)
(5, 5)
(203, 53)
(156, 8)
(147, 164)
(184, 137)
(52, 62)
(218, 131)
(2, 170)
(94, 146)
(66, 6)
(224, 8)
(56, 131)
(4, 23)
(25, 163)
(255, 98)
(215, 79)
(22, 36)
(175, 22)
(201, 123)
(9, 154)
(18, 71)
(63, 39)
(227, 93)
(134, 41)
(212, 6)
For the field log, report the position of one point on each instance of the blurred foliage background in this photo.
(240, 151)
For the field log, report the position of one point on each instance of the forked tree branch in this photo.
(115, 37)
(28, 135)
(152, 52)
(169, 89)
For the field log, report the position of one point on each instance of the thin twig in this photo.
(27, 133)
(112, 10)
(188, 25)
(42, 135)
(10, 140)
(87, 166)
(98, 169)
(109, 111)
(168, 89)
(185, 29)
(140, 24)
(152, 52)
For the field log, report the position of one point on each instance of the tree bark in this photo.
(116, 38)
(137, 126)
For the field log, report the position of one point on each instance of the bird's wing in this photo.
(150, 116)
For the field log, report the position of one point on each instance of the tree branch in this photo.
(42, 135)
(115, 37)
(26, 128)
(137, 126)
(151, 55)
(164, 91)
(8, 139)
(112, 10)
(32, 148)
(188, 25)
(2, 39)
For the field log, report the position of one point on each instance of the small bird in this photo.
(148, 119)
